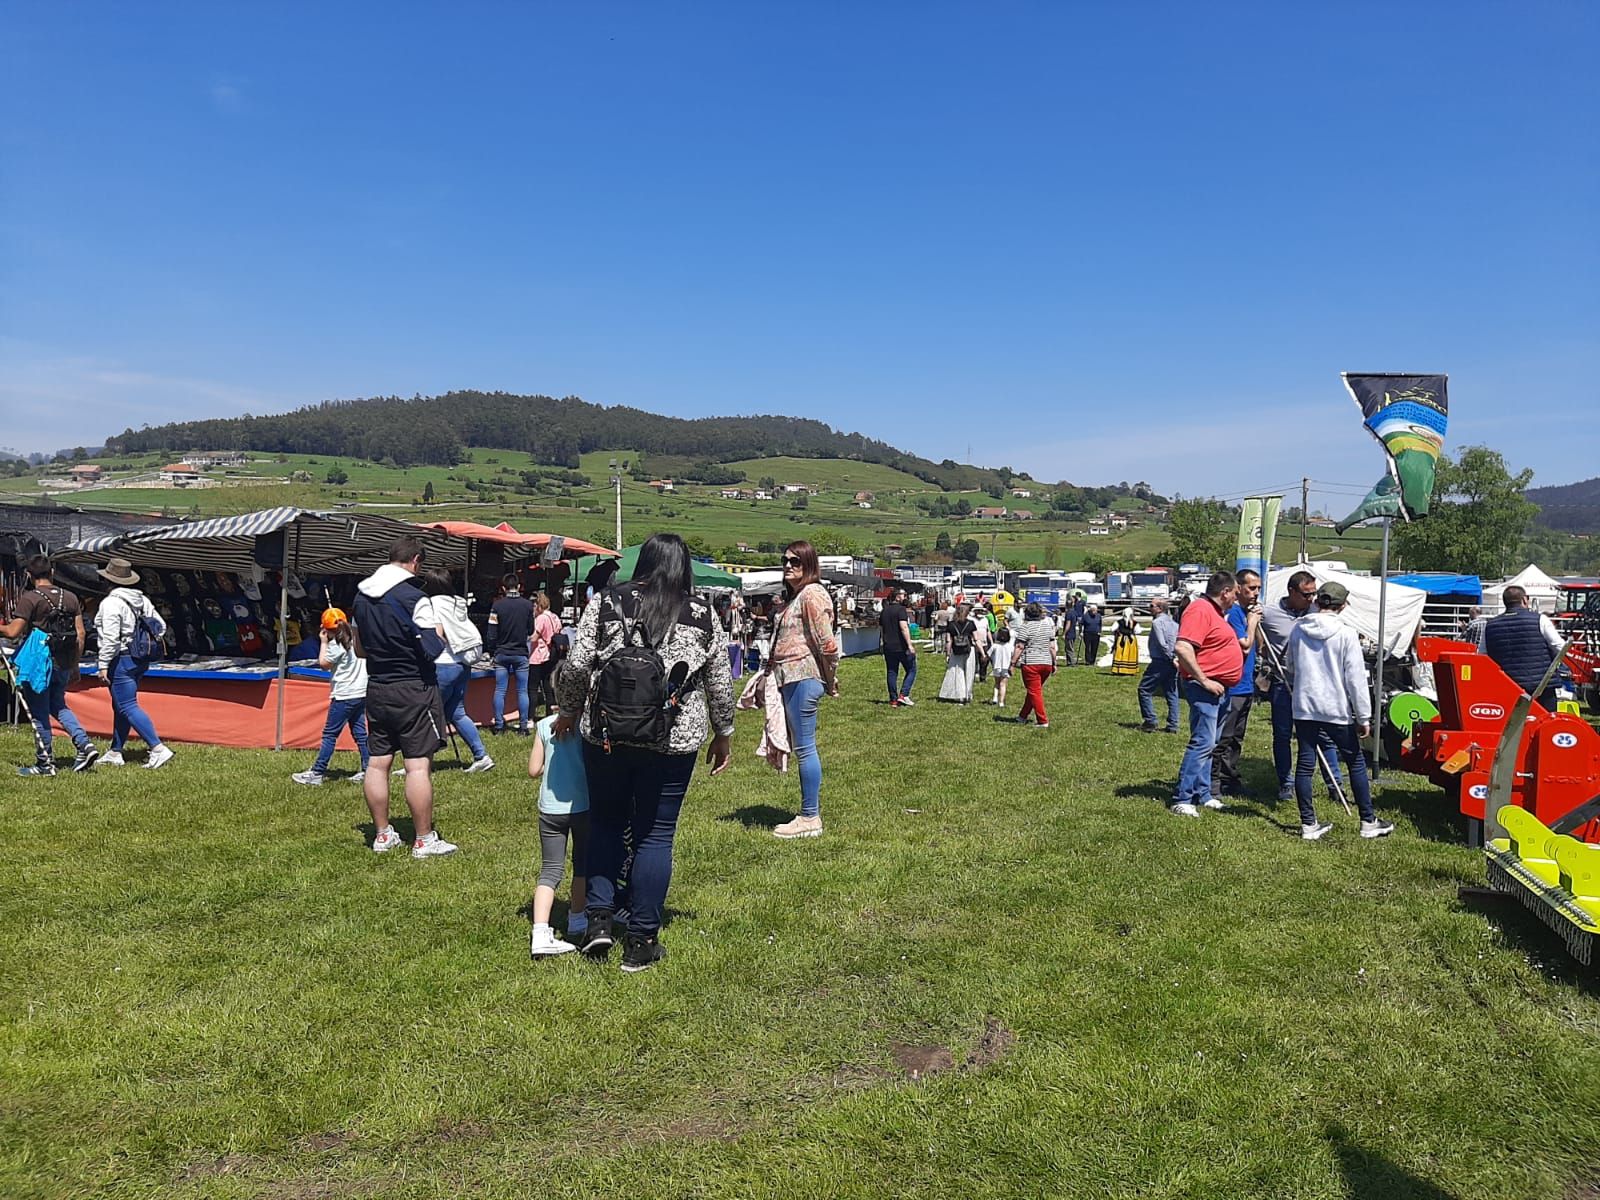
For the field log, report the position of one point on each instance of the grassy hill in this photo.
(490, 486)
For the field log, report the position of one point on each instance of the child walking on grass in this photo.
(1000, 648)
(563, 815)
(347, 703)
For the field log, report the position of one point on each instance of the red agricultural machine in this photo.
(1557, 774)
(1579, 619)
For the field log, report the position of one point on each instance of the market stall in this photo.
(241, 596)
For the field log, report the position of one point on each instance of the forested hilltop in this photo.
(436, 430)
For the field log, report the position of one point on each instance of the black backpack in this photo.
(60, 631)
(634, 701)
(961, 636)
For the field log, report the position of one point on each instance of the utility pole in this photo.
(1305, 495)
(616, 483)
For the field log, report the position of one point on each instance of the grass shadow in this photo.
(1435, 818)
(1370, 1176)
(1521, 932)
(1145, 791)
(758, 816)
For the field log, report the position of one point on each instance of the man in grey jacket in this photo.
(1278, 620)
(1161, 676)
(1332, 707)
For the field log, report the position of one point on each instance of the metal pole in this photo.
(616, 482)
(283, 636)
(1305, 499)
(1377, 675)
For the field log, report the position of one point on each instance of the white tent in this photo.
(1403, 610)
(1544, 593)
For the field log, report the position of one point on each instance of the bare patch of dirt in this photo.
(995, 1043)
(1581, 1190)
(918, 1062)
(212, 1168)
(333, 1139)
(460, 1131)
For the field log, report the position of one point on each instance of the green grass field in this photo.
(694, 510)
(1004, 971)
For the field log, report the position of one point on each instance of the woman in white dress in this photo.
(960, 647)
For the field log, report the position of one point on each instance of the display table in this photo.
(237, 704)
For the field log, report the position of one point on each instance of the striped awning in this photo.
(309, 542)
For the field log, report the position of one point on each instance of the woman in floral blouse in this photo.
(804, 665)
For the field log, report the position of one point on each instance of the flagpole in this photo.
(1377, 675)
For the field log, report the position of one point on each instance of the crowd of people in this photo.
(644, 680)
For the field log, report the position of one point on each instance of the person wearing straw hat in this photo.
(130, 630)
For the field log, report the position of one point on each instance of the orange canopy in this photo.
(507, 536)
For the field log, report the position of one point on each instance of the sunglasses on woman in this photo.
(789, 561)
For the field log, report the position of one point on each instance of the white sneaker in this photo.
(1212, 802)
(386, 841)
(1185, 809)
(543, 943)
(1375, 829)
(431, 845)
(159, 757)
(908, 701)
(311, 778)
(1312, 832)
(479, 765)
(800, 827)
(399, 769)
(358, 777)
(112, 758)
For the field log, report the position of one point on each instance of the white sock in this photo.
(542, 932)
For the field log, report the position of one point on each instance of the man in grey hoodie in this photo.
(1332, 707)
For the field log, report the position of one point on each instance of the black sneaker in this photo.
(1147, 729)
(85, 759)
(640, 953)
(598, 941)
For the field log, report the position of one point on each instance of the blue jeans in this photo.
(453, 680)
(1160, 678)
(895, 661)
(1336, 741)
(800, 702)
(637, 792)
(1194, 775)
(52, 702)
(505, 665)
(1282, 732)
(126, 672)
(341, 713)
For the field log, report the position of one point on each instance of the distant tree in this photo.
(801, 501)
(768, 483)
(1200, 533)
(1051, 553)
(994, 490)
(967, 551)
(1477, 521)
(962, 507)
(916, 549)
(942, 542)
(1103, 563)
(338, 475)
(427, 492)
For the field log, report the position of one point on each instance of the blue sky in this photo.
(1095, 242)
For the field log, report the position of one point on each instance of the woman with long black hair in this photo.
(639, 757)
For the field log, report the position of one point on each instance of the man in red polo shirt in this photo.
(1210, 662)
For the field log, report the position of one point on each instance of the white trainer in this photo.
(386, 841)
(431, 845)
(159, 757)
(112, 758)
(1185, 809)
(543, 943)
(479, 765)
(800, 827)
(358, 777)
(310, 778)
(1376, 829)
(908, 701)
(1312, 832)
(1212, 802)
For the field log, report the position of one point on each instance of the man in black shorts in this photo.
(404, 714)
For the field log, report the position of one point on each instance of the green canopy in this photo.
(705, 575)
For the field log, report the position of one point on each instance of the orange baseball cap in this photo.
(332, 618)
